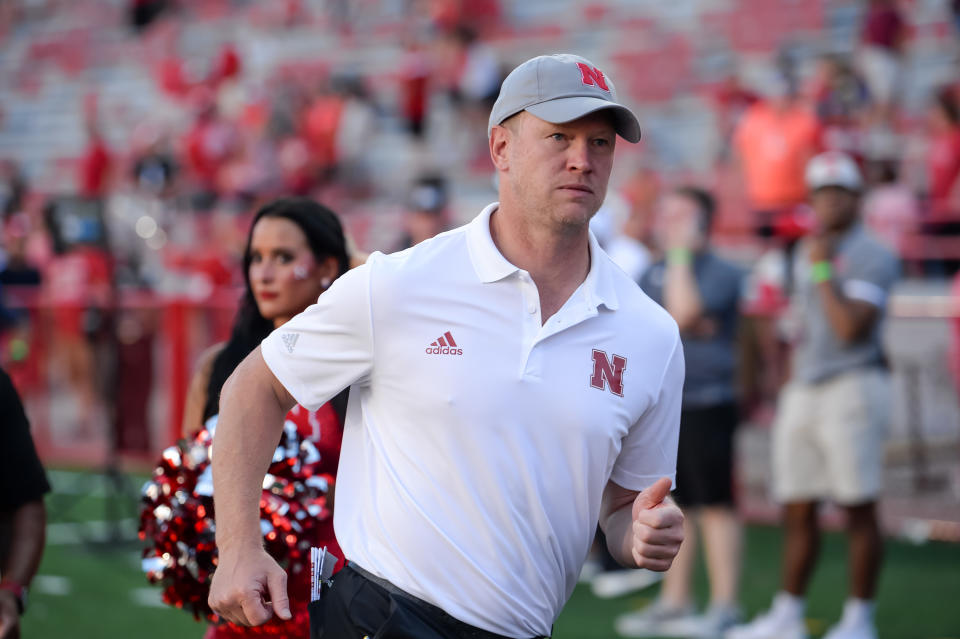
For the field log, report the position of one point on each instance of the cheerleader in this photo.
(296, 248)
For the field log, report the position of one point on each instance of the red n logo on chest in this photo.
(607, 371)
(592, 76)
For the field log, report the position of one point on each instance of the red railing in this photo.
(141, 358)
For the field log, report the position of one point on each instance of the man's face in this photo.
(834, 207)
(678, 223)
(559, 172)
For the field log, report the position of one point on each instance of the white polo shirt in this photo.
(477, 442)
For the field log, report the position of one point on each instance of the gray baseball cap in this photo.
(560, 88)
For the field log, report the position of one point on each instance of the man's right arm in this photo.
(253, 405)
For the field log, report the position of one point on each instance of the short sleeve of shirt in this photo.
(871, 273)
(649, 450)
(22, 478)
(329, 346)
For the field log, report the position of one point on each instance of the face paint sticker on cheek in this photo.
(300, 272)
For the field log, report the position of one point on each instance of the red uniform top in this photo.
(323, 428)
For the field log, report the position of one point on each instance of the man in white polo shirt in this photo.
(510, 387)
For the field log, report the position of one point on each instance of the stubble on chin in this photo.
(570, 218)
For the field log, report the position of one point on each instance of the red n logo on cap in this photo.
(609, 372)
(592, 76)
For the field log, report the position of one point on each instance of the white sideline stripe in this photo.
(66, 533)
(149, 597)
(66, 482)
(51, 585)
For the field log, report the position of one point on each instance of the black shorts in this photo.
(705, 456)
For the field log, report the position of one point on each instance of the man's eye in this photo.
(557, 136)
(602, 142)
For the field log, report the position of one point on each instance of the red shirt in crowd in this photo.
(882, 26)
(94, 169)
(943, 165)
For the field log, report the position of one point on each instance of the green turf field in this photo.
(92, 589)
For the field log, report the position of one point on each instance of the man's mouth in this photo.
(583, 188)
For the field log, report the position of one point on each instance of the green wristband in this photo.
(679, 256)
(821, 272)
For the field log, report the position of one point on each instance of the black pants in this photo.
(359, 605)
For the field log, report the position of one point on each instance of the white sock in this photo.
(858, 611)
(789, 606)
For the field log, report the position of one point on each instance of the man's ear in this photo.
(500, 137)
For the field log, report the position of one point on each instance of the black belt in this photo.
(459, 629)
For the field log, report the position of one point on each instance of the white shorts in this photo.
(829, 438)
(881, 71)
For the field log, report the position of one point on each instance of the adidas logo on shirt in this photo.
(289, 340)
(445, 345)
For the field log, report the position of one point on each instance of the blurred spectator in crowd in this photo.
(842, 104)
(476, 84)
(415, 72)
(23, 483)
(209, 144)
(702, 293)
(447, 15)
(78, 283)
(13, 187)
(833, 416)
(478, 81)
(354, 137)
(943, 159)
(427, 212)
(774, 140)
(320, 123)
(890, 208)
(154, 166)
(144, 12)
(15, 265)
(882, 43)
(731, 100)
(226, 66)
(629, 241)
(95, 163)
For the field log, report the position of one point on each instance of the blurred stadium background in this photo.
(138, 136)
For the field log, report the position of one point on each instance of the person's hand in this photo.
(681, 230)
(9, 614)
(248, 588)
(820, 248)
(657, 528)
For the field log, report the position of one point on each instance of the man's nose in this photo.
(578, 156)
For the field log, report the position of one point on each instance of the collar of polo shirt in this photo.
(492, 266)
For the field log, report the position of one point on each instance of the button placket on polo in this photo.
(530, 298)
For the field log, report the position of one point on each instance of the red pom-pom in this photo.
(177, 519)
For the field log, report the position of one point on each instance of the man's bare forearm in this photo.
(681, 295)
(616, 521)
(26, 545)
(252, 410)
(618, 529)
(849, 319)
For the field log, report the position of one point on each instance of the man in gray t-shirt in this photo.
(832, 417)
(701, 291)
(863, 272)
